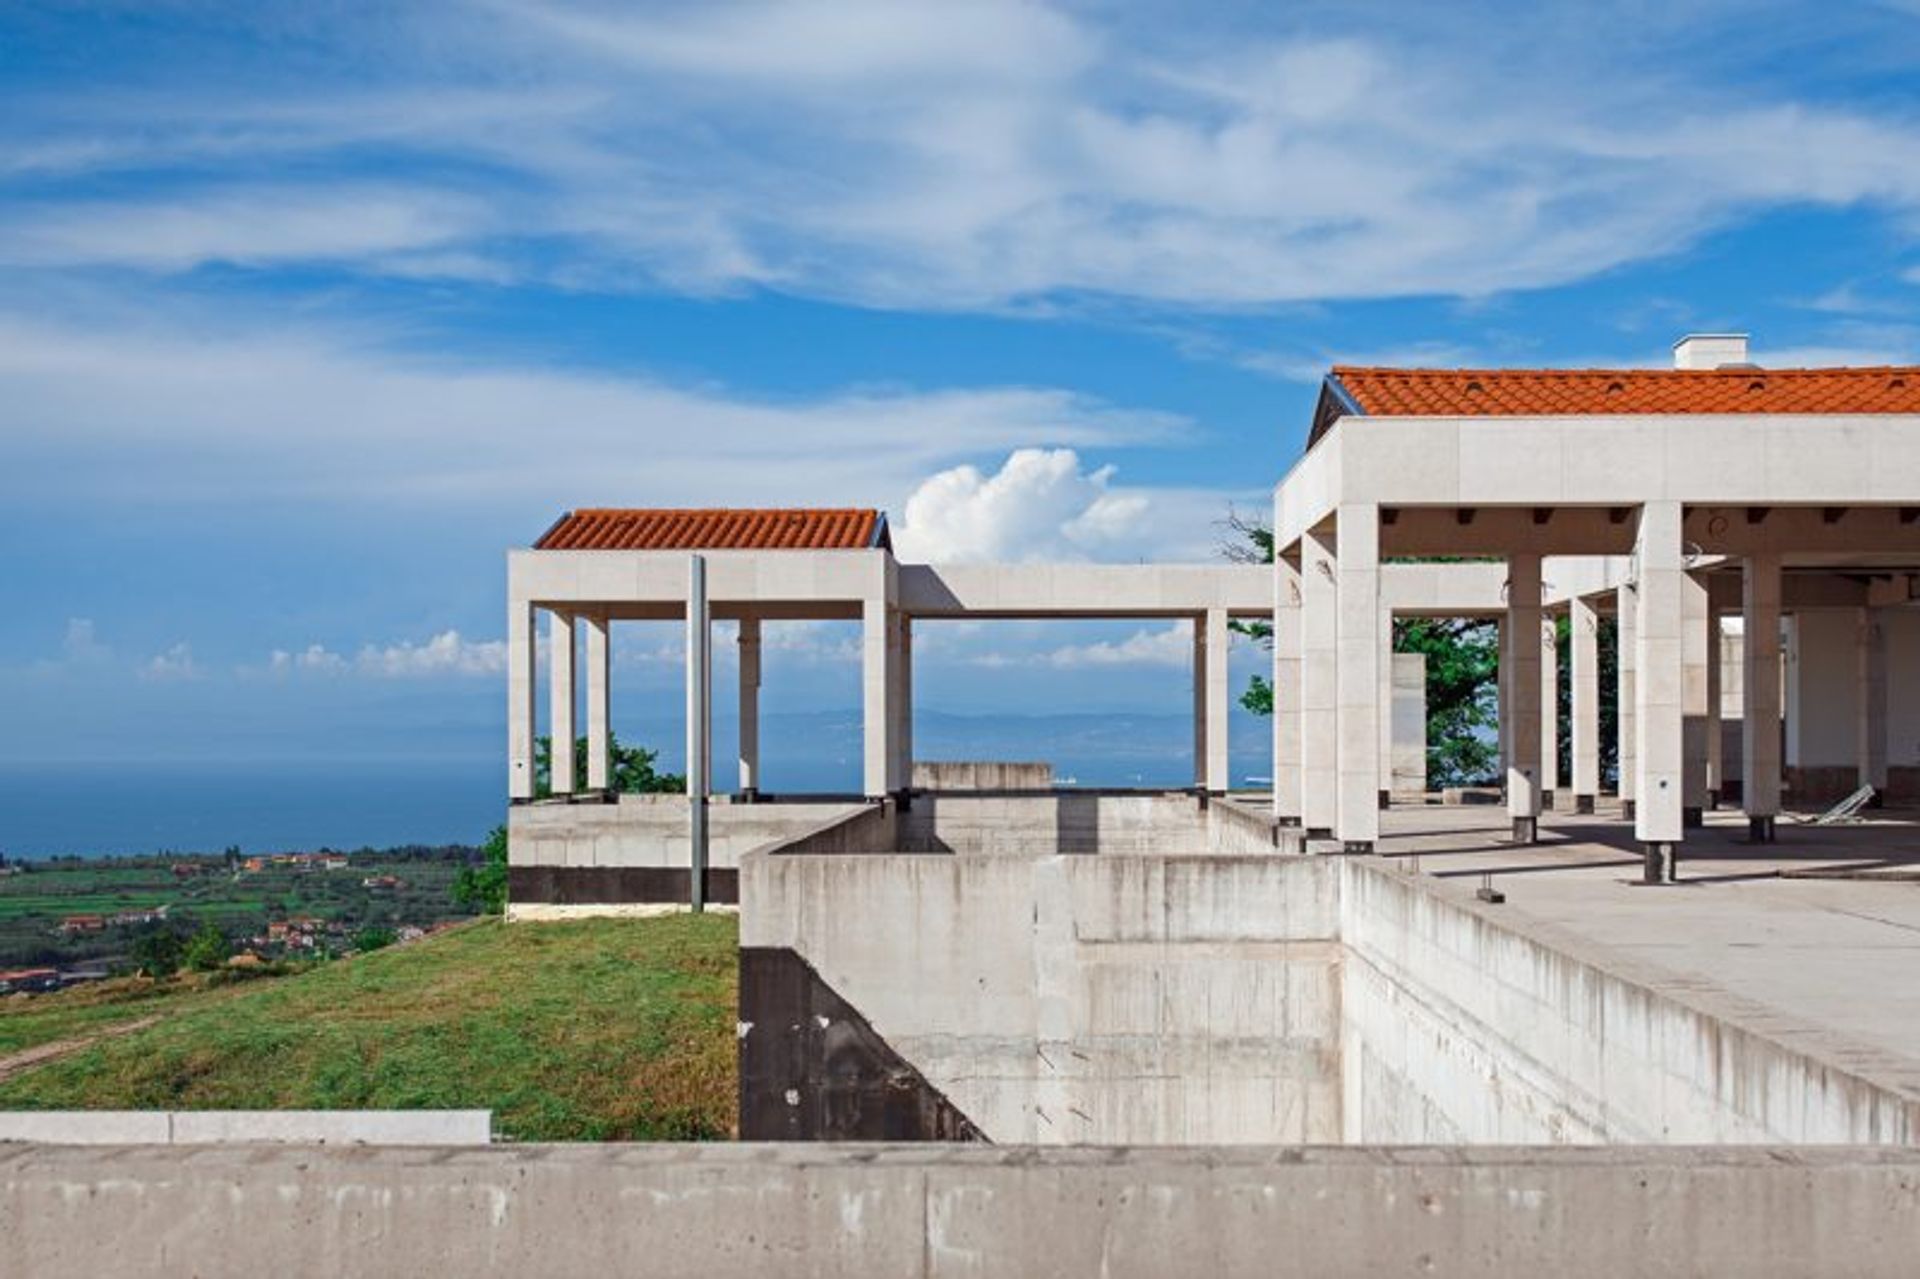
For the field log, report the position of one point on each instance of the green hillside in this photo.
(595, 1030)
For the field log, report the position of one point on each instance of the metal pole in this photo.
(699, 725)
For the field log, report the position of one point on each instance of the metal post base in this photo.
(1661, 862)
(1319, 832)
(1760, 829)
(1583, 803)
(1288, 823)
(1713, 800)
(747, 795)
(1546, 801)
(1356, 846)
(1692, 817)
(1626, 810)
(1526, 830)
(1386, 800)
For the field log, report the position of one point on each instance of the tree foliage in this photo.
(630, 769)
(483, 887)
(207, 949)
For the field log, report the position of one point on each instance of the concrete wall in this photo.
(707, 1212)
(1463, 1026)
(1822, 689)
(651, 830)
(974, 774)
(1903, 685)
(1109, 997)
(1068, 821)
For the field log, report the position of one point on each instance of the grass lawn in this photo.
(29, 1021)
(594, 1030)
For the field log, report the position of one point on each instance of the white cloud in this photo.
(980, 155)
(1169, 646)
(1042, 504)
(176, 664)
(447, 653)
(81, 645)
(101, 404)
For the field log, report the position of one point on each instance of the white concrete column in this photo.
(1872, 700)
(1384, 703)
(1549, 709)
(521, 677)
(1523, 683)
(1502, 678)
(876, 680)
(1760, 683)
(1695, 619)
(563, 693)
(599, 703)
(1357, 756)
(699, 723)
(1626, 605)
(1660, 677)
(1319, 680)
(748, 642)
(1583, 644)
(1287, 808)
(903, 727)
(1219, 694)
(1716, 744)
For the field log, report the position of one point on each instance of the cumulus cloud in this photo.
(447, 653)
(1042, 504)
(81, 644)
(173, 665)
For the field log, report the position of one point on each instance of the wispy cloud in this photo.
(986, 155)
(447, 653)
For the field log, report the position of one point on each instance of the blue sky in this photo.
(308, 312)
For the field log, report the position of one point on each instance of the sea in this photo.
(100, 808)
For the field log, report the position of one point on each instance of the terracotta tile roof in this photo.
(1567, 392)
(604, 529)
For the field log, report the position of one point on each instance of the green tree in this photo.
(1463, 666)
(374, 937)
(157, 954)
(484, 887)
(207, 949)
(630, 769)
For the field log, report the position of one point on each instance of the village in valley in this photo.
(70, 920)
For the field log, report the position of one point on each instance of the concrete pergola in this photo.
(1715, 468)
(597, 567)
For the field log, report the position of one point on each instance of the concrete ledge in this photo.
(949, 1210)
(205, 1127)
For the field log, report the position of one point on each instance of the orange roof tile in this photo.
(603, 529)
(1572, 392)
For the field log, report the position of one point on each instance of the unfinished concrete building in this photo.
(1208, 965)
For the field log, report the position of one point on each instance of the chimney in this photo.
(1711, 351)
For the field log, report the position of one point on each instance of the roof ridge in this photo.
(1737, 370)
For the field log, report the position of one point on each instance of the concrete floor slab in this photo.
(1827, 964)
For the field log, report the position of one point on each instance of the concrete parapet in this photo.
(921, 1210)
(206, 1127)
(967, 775)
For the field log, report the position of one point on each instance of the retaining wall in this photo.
(853, 1211)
